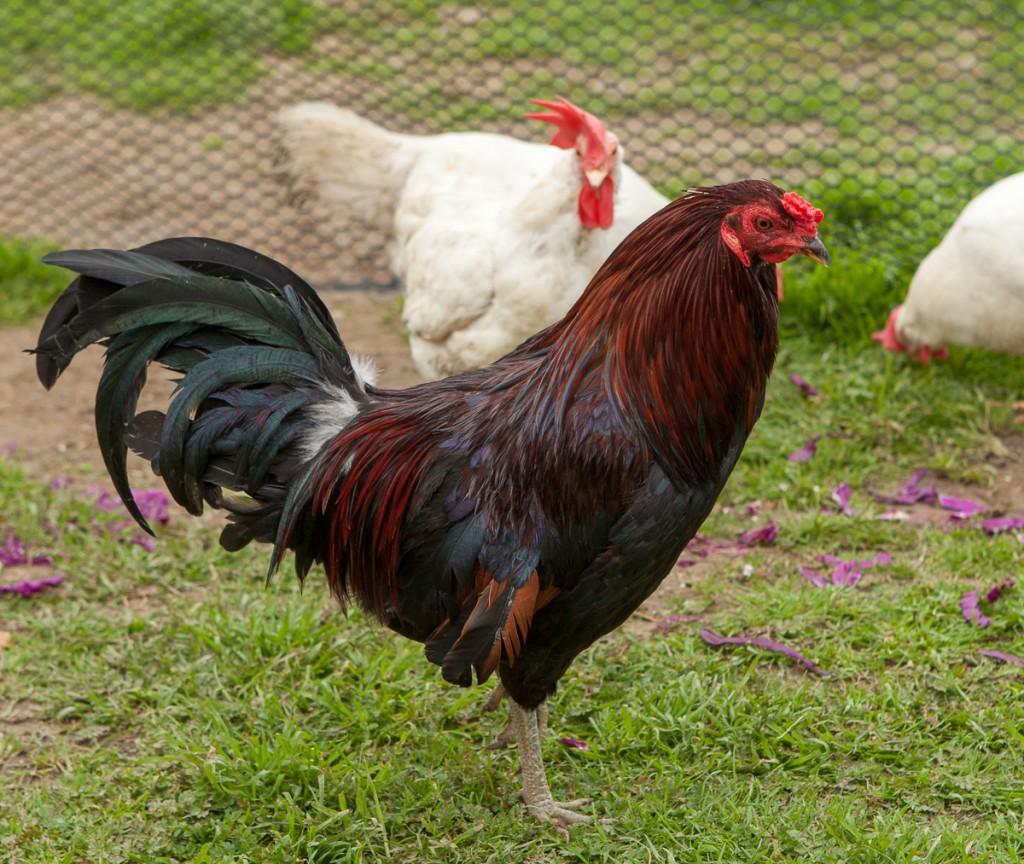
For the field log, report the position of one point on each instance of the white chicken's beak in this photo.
(595, 177)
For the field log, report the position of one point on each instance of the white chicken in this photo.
(969, 290)
(494, 237)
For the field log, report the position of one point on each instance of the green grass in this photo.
(29, 286)
(178, 711)
(146, 54)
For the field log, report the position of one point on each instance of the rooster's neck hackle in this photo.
(686, 350)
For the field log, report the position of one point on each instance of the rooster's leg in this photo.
(508, 734)
(536, 792)
(494, 700)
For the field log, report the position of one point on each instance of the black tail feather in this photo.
(256, 350)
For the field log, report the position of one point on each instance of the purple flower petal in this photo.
(14, 552)
(28, 587)
(108, 502)
(686, 562)
(841, 495)
(805, 453)
(970, 603)
(963, 508)
(715, 639)
(995, 592)
(663, 626)
(1005, 658)
(845, 572)
(1000, 524)
(763, 535)
(145, 541)
(971, 609)
(803, 385)
(816, 579)
(59, 482)
(575, 743)
(702, 546)
(152, 503)
(911, 492)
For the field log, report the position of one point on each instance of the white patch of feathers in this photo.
(329, 417)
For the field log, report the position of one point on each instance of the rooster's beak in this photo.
(815, 249)
(595, 177)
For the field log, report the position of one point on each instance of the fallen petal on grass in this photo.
(805, 453)
(911, 492)
(996, 591)
(841, 495)
(971, 608)
(14, 551)
(970, 603)
(664, 626)
(1000, 524)
(575, 743)
(1005, 658)
(715, 639)
(702, 546)
(809, 389)
(963, 508)
(816, 579)
(764, 535)
(28, 587)
(152, 503)
(845, 572)
(145, 541)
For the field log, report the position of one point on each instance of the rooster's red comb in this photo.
(570, 122)
(806, 215)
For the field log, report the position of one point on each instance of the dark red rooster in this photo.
(506, 517)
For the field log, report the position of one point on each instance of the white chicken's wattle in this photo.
(494, 237)
(969, 290)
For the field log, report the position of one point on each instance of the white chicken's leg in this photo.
(536, 792)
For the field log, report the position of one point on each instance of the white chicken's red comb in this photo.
(570, 122)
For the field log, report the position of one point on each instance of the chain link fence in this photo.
(125, 121)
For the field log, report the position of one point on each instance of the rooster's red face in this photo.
(772, 231)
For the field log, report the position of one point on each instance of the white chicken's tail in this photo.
(346, 160)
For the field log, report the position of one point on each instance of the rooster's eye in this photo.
(762, 223)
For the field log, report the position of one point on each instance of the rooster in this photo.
(969, 290)
(494, 237)
(506, 517)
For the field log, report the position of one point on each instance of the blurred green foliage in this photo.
(27, 286)
(888, 116)
(146, 54)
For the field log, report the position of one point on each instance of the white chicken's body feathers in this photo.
(486, 233)
(969, 290)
